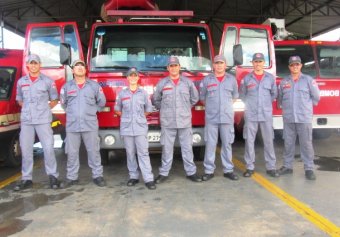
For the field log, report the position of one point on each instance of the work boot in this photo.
(69, 182)
(23, 184)
(273, 173)
(194, 178)
(206, 177)
(284, 170)
(310, 175)
(231, 175)
(248, 173)
(150, 185)
(99, 181)
(54, 182)
(160, 179)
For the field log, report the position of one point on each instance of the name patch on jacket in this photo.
(125, 98)
(287, 86)
(167, 88)
(251, 85)
(24, 85)
(211, 85)
(71, 92)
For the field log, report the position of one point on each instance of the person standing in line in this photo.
(132, 105)
(258, 90)
(217, 92)
(37, 95)
(174, 96)
(82, 99)
(297, 95)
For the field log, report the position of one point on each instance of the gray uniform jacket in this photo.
(133, 105)
(297, 99)
(35, 97)
(175, 102)
(258, 96)
(218, 98)
(81, 105)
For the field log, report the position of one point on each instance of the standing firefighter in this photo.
(217, 92)
(258, 90)
(34, 91)
(297, 95)
(82, 99)
(174, 96)
(133, 104)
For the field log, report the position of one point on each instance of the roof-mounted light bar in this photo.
(179, 15)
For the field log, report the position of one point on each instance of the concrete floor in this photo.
(178, 207)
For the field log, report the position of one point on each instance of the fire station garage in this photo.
(191, 198)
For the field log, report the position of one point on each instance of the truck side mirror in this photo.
(65, 54)
(238, 54)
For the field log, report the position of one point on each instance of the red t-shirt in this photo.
(81, 85)
(258, 77)
(33, 78)
(175, 81)
(220, 78)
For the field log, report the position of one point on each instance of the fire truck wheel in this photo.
(13, 152)
(319, 134)
(104, 154)
(199, 153)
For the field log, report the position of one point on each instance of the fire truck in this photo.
(10, 72)
(144, 39)
(321, 60)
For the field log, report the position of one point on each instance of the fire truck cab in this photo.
(10, 72)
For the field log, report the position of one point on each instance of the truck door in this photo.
(44, 39)
(253, 39)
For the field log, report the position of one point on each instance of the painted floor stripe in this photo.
(15, 177)
(308, 213)
(10, 180)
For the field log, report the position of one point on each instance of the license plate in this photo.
(154, 136)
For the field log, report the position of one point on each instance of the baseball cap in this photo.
(33, 57)
(75, 62)
(294, 59)
(132, 70)
(258, 57)
(219, 58)
(173, 60)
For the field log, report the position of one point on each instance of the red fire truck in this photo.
(144, 39)
(321, 60)
(10, 72)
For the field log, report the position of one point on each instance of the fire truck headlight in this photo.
(196, 138)
(238, 105)
(199, 107)
(109, 140)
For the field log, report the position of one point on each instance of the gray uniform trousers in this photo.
(27, 137)
(168, 136)
(304, 131)
(138, 144)
(91, 142)
(227, 137)
(249, 134)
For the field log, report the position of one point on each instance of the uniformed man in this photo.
(175, 95)
(217, 92)
(82, 99)
(36, 94)
(258, 90)
(297, 95)
(133, 104)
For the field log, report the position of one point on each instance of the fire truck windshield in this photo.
(329, 61)
(148, 47)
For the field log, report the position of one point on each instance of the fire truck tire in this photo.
(13, 151)
(319, 134)
(199, 153)
(104, 154)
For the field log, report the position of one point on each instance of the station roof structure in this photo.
(305, 18)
